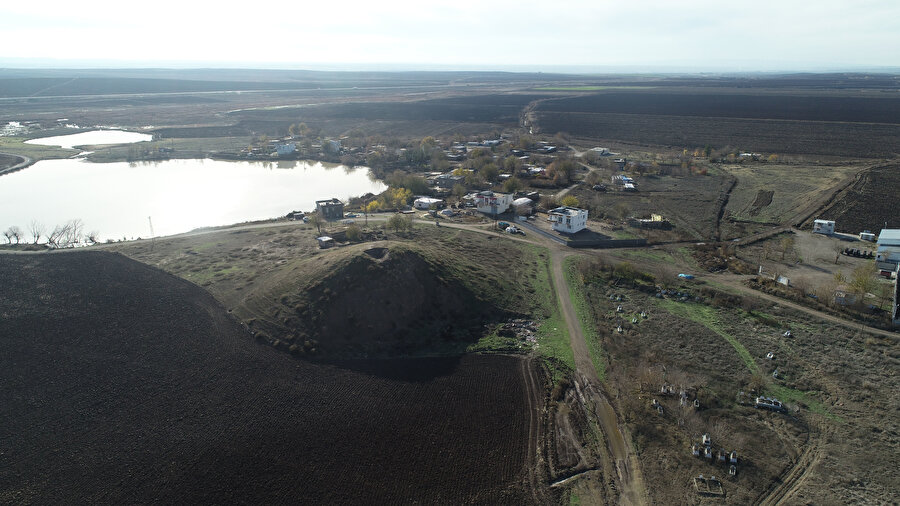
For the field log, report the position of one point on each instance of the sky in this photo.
(710, 35)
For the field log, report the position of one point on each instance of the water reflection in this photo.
(179, 195)
(92, 137)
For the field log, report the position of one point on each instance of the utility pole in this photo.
(152, 235)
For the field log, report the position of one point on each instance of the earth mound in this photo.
(377, 302)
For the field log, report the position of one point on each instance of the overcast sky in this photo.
(696, 34)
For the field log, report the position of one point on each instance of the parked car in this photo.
(686, 276)
(514, 230)
(347, 222)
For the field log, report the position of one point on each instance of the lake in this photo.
(97, 137)
(116, 199)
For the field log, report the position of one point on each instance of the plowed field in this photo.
(122, 384)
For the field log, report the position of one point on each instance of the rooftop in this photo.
(889, 235)
(566, 211)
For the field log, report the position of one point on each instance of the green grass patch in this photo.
(707, 317)
(786, 394)
(493, 342)
(574, 500)
(623, 234)
(583, 310)
(209, 273)
(552, 335)
(17, 146)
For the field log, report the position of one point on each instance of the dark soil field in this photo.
(757, 135)
(719, 105)
(690, 203)
(123, 384)
(869, 203)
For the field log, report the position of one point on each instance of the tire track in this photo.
(532, 458)
(630, 479)
(795, 477)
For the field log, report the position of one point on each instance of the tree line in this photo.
(65, 235)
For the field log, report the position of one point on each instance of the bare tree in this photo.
(8, 234)
(36, 229)
(838, 249)
(55, 236)
(93, 237)
(718, 431)
(66, 235)
(74, 232)
(316, 220)
(16, 233)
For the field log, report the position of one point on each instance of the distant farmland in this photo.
(721, 105)
(784, 123)
(503, 109)
(767, 136)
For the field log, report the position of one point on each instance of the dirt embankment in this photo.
(378, 302)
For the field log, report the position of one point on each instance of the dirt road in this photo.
(734, 281)
(631, 485)
(21, 165)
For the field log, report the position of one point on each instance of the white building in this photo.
(568, 219)
(285, 149)
(887, 256)
(523, 206)
(427, 202)
(489, 202)
(823, 227)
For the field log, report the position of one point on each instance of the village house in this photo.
(523, 206)
(887, 256)
(568, 219)
(447, 180)
(823, 227)
(285, 149)
(331, 209)
(492, 203)
(427, 202)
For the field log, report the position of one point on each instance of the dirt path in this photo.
(631, 486)
(792, 479)
(733, 281)
(19, 166)
(534, 395)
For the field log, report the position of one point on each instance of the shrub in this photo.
(354, 234)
